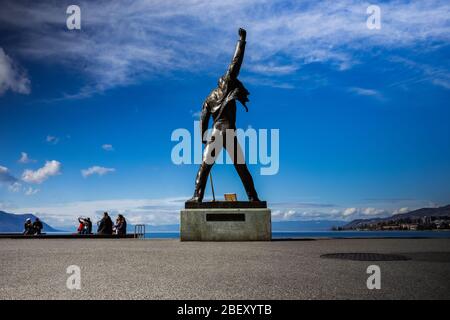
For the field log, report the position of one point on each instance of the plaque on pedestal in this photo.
(226, 221)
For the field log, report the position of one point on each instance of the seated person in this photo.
(121, 225)
(105, 225)
(80, 225)
(37, 226)
(88, 225)
(28, 227)
(85, 226)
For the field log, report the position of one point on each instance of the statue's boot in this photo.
(247, 181)
(200, 182)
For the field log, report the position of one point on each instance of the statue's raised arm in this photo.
(238, 57)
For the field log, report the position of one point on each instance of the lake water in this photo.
(330, 234)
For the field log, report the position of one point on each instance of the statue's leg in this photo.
(200, 182)
(210, 154)
(235, 152)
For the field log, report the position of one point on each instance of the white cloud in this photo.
(421, 72)
(107, 147)
(128, 41)
(15, 187)
(31, 191)
(8, 179)
(349, 211)
(401, 210)
(368, 212)
(374, 212)
(272, 69)
(295, 214)
(12, 77)
(6, 176)
(317, 211)
(96, 170)
(366, 92)
(25, 159)
(52, 139)
(51, 168)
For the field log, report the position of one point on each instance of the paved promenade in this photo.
(169, 269)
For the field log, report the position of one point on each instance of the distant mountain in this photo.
(412, 215)
(10, 222)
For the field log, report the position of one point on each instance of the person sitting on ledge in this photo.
(88, 225)
(80, 229)
(85, 226)
(121, 225)
(105, 225)
(37, 226)
(28, 227)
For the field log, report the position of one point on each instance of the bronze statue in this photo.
(221, 104)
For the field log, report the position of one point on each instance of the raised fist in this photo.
(242, 33)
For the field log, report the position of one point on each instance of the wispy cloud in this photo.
(345, 214)
(107, 147)
(31, 191)
(25, 159)
(15, 187)
(272, 69)
(12, 76)
(101, 171)
(124, 42)
(372, 208)
(9, 180)
(366, 92)
(401, 210)
(52, 139)
(421, 72)
(6, 177)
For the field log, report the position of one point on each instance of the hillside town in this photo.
(412, 224)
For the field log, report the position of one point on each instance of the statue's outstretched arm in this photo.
(204, 120)
(238, 57)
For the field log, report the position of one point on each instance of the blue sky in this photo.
(363, 114)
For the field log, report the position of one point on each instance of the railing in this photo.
(139, 231)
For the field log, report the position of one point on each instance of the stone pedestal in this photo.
(226, 221)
